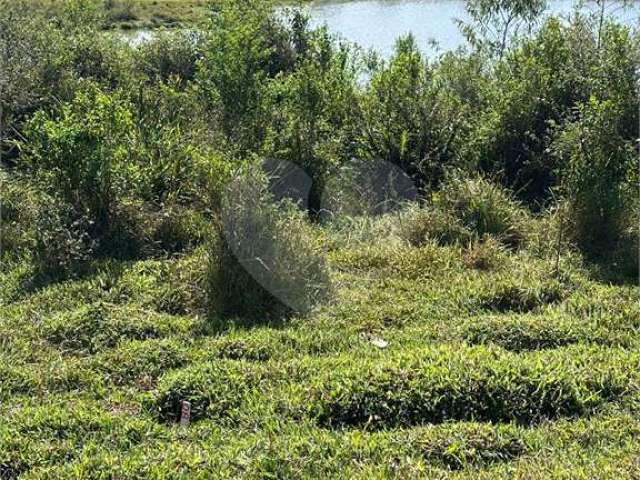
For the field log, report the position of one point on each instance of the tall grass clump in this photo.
(484, 208)
(20, 203)
(598, 162)
(38, 227)
(264, 260)
(466, 208)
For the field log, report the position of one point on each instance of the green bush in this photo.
(265, 260)
(485, 255)
(62, 242)
(237, 61)
(22, 203)
(40, 227)
(121, 11)
(515, 295)
(598, 166)
(171, 146)
(95, 327)
(311, 112)
(16, 379)
(526, 332)
(468, 445)
(142, 360)
(168, 55)
(408, 119)
(178, 229)
(81, 156)
(463, 210)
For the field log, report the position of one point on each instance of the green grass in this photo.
(150, 14)
(145, 14)
(493, 369)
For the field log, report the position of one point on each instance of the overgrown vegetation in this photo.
(350, 267)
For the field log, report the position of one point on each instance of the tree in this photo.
(495, 22)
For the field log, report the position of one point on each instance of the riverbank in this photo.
(150, 14)
(147, 14)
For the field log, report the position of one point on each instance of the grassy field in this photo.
(431, 361)
(136, 14)
(144, 14)
(148, 14)
(146, 259)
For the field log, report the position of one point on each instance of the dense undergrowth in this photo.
(351, 268)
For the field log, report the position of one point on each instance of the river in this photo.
(375, 24)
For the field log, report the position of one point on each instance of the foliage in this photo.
(147, 261)
(465, 208)
(46, 53)
(169, 55)
(598, 166)
(82, 155)
(407, 120)
(484, 208)
(239, 57)
(313, 108)
(213, 389)
(264, 261)
(436, 386)
(495, 23)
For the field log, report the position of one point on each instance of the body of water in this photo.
(376, 24)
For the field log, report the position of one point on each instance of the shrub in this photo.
(525, 332)
(169, 55)
(465, 209)
(311, 110)
(80, 155)
(15, 379)
(121, 11)
(178, 229)
(598, 164)
(235, 67)
(367, 188)
(21, 204)
(265, 259)
(40, 227)
(62, 242)
(38, 59)
(517, 296)
(485, 255)
(142, 359)
(407, 119)
(171, 155)
(468, 445)
(94, 327)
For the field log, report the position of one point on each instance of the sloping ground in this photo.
(492, 369)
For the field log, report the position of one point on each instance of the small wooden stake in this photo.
(185, 413)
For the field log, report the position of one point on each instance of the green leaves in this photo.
(82, 155)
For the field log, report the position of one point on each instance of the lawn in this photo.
(430, 361)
